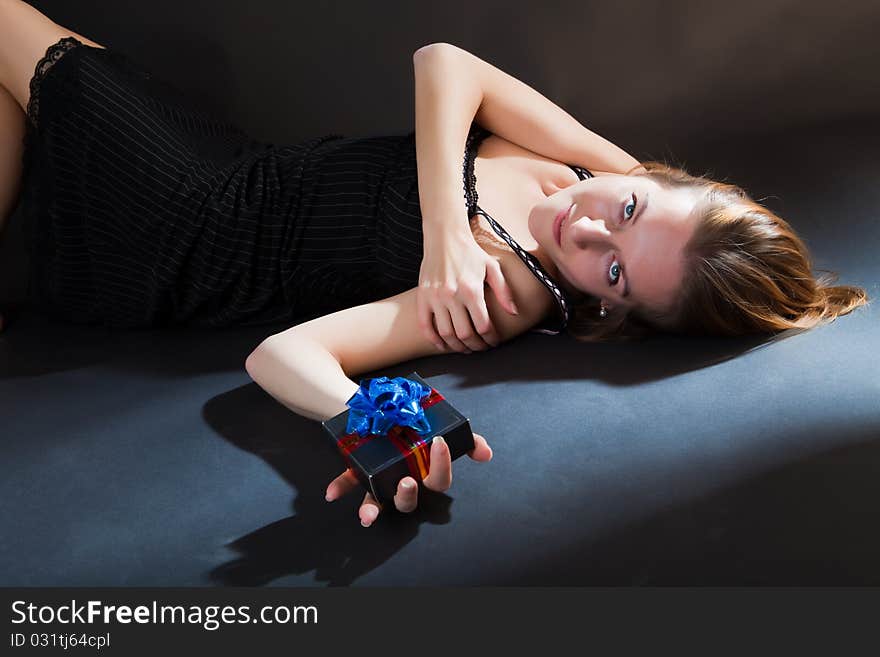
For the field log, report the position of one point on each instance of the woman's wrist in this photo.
(445, 235)
(302, 375)
(445, 220)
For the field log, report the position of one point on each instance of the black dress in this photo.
(143, 210)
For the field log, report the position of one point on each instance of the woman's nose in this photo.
(587, 231)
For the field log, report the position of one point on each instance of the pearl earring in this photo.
(603, 311)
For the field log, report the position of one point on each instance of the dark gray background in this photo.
(149, 458)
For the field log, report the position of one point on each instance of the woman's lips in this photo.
(557, 224)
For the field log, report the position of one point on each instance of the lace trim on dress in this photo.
(475, 136)
(53, 53)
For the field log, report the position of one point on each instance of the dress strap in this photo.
(582, 173)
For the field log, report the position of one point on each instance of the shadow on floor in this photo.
(321, 536)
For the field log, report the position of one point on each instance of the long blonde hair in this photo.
(746, 272)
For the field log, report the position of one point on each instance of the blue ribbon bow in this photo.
(381, 403)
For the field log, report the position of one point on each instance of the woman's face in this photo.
(623, 240)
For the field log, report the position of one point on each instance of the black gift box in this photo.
(380, 461)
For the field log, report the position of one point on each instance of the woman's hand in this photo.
(451, 291)
(438, 479)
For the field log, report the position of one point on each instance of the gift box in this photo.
(386, 432)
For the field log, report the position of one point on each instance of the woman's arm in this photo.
(307, 367)
(452, 307)
(510, 109)
(445, 105)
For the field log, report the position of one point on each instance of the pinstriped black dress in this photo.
(142, 210)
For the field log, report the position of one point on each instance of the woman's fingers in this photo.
(495, 279)
(446, 330)
(458, 325)
(435, 323)
(481, 450)
(342, 485)
(440, 472)
(465, 330)
(482, 323)
(468, 310)
(425, 314)
(406, 500)
(407, 497)
(369, 510)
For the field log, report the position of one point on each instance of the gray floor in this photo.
(150, 458)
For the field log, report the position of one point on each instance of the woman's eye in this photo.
(615, 273)
(632, 205)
